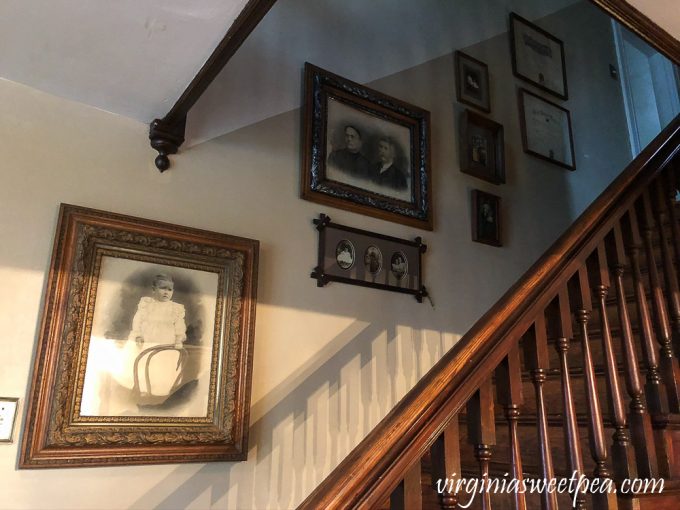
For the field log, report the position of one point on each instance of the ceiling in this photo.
(135, 58)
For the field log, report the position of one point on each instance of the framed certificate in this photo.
(546, 130)
(537, 56)
(8, 415)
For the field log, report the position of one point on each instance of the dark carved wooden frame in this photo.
(53, 435)
(322, 278)
(319, 86)
(477, 195)
(516, 18)
(522, 120)
(498, 175)
(459, 58)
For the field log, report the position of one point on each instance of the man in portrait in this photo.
(386, 171)
(350, 159)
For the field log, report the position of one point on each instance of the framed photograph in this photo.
(482, 148)
(9, 408)
(364, 151)
(472, 82)
(145, 348)
(546, 130)
(486, 218)
(538, 57)
(359, 257)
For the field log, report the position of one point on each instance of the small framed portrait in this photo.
(345, 254)
(546, 130)
(486, 218)
(538, 57)
(145, 350)
(482, 152)
(373, 260)
(365, 151)
(384, 262)
(399, 265)
(472, 82)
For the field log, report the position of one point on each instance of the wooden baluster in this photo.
(560, 329)
(535, 343)
(639, 420)
(622, 451)
(445, 454)
(482, 433)
(409, 494)
(509, 390)
(655, 392)
(670, 275)
(580, 294)
(669, 364)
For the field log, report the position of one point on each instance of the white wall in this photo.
(665, 13)
(329, 363)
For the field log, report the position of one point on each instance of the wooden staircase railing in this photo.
(583, 307)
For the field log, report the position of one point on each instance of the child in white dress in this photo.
(158, 319)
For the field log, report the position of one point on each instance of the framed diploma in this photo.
(546, 130)
(537, 56)
(8, 415)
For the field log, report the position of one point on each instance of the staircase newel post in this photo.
(598, 447)
(482, 433)
(509, 391)
(559, 320)
(535, 343)
(622, 452)
(638, 418)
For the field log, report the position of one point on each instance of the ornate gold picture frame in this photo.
(145, 348)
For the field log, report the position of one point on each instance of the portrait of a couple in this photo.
(368, 152)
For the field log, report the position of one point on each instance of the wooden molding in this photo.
(167, 134)
(642, 26)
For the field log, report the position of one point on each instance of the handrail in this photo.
(366, 477)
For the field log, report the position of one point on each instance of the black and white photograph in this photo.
(365, 151)
(152, 341)
(538, 57)
(482, 152)
(373, 260)
(546, 130)
(151, 325)
(399, 265)
(345, 254)
(486, 218)
(472, 82)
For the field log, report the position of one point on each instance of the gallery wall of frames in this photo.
(131, 368)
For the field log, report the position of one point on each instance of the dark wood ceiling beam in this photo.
(167, 134)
